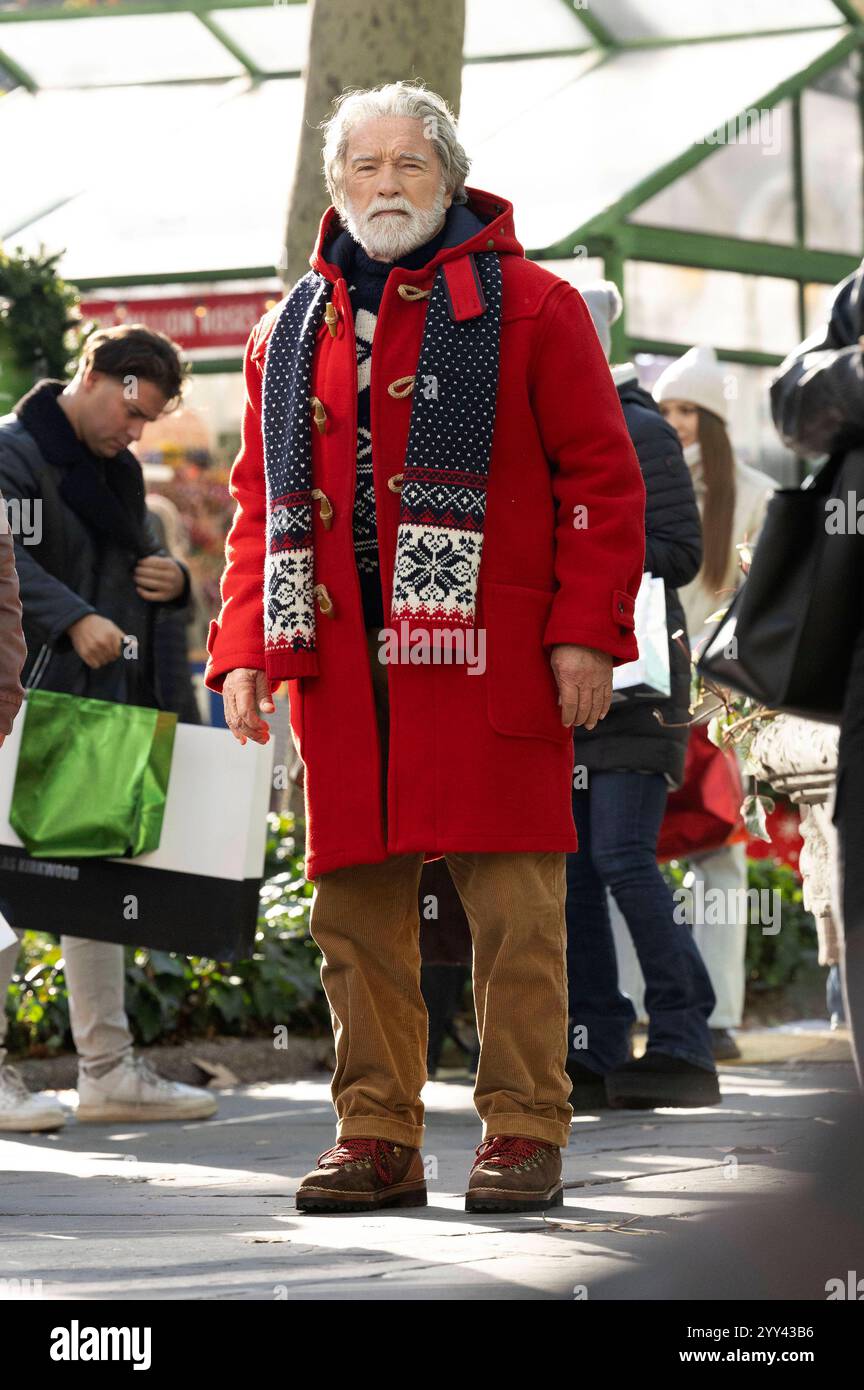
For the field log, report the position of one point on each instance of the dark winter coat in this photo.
(817, 397)
(631, 738)
(72, 569)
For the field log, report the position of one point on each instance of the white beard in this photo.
(391, 238)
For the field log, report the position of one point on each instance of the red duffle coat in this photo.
(477, 762)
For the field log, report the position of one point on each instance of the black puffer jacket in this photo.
(70, 569)
(817, 396)
(630, 738)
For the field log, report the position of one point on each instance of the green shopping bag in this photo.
(92, 777)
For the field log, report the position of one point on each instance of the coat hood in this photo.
(484, 223)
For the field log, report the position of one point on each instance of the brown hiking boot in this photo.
(363, 1175)
(511, 1173)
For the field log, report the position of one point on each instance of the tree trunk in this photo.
(362, 43)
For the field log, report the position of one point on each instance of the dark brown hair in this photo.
(134, 350)
(718, 472)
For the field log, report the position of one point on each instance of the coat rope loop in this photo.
(326, 507)
(319, 414)
(325, 602)
(401, 387)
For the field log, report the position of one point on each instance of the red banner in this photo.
(192, 321)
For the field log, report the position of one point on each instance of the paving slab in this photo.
(204, 1210)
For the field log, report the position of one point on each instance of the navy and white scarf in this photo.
(440, 535)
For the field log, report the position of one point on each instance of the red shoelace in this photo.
(351, 1150)
(507, 1151)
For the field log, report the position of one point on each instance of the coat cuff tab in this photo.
(623, 610)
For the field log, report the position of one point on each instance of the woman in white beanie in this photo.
(732, 498)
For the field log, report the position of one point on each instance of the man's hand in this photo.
(97, 640)
(584, 678)
(242, 690)
(159, 578)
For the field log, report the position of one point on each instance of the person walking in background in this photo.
(631, 761)
(817, 400)
(732, 498)
(94, 575)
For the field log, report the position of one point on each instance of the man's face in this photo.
(393, 187)
(112, 412)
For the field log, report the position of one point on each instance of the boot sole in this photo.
(685, 1096)
(413, 1195)
(121, 1114)
(485, 1200)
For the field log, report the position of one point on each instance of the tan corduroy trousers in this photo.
(365, 920)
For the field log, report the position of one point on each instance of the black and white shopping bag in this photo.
(196, 894)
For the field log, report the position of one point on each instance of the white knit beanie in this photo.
(604, 305)
(696, 377)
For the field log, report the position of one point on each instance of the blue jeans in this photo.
(618, 818)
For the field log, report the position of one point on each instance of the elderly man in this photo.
(438, 503)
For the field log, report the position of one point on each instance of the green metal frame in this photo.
(609, 235)
(613, 238)
(177, 277)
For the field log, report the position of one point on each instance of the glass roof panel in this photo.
(224, 208)
(688, 19)
(116, 49)
(832, 153)
(555, 135)
(41, 172)
(493, 28)
(564, 147)
(275, 37)
(745, 189)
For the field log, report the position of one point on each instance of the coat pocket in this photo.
(521, 693)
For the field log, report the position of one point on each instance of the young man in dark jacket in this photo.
(624, 769)
(93, 579)
(817, 399)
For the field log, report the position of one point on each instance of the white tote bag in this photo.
(648, 677)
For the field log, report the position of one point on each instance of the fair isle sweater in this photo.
(366, 280)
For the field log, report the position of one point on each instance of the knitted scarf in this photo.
(440, 535)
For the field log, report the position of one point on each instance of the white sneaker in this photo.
(22, 1111)
(133, 1091)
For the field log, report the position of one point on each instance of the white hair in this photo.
(411, 99)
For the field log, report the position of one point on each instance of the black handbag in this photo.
(787, 638)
